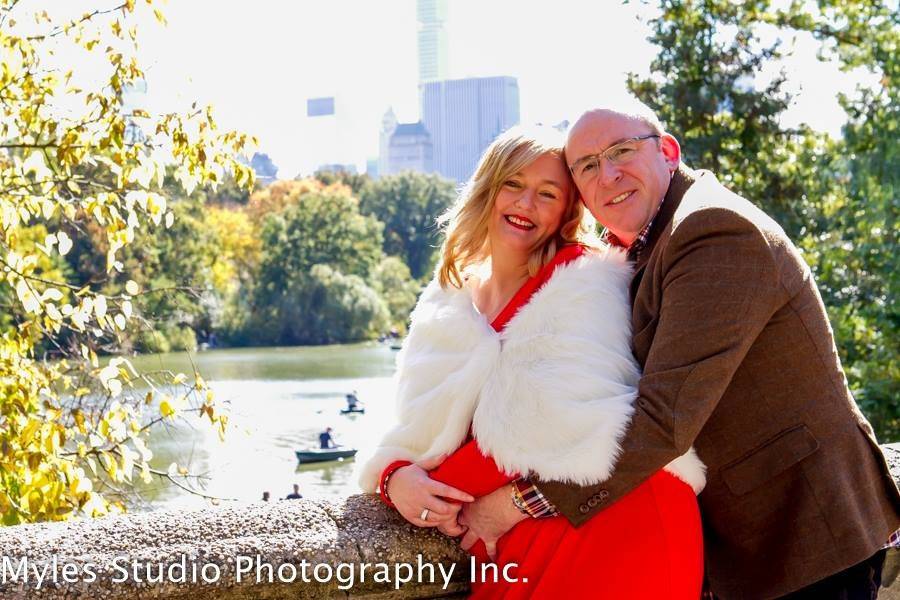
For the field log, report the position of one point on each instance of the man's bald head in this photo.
(631, 109)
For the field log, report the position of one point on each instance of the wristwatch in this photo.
(518, 500)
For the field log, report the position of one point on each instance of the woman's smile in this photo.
(519, 222)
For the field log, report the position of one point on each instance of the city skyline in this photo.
(259, 67)
(463, 116)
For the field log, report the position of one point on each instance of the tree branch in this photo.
(62, 28)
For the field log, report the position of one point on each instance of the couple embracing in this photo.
(635, 415)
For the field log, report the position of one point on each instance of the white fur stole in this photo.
(551, 395)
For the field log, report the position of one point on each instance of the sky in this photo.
(259, 62)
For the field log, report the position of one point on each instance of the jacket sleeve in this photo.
(720, 286)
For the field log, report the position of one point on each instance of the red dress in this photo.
(647, 545)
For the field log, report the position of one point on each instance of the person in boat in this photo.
(295, 495)
(326, 440)
(352, 401)
(266, 496)
(518, 364)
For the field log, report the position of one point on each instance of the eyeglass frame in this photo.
(600, 156)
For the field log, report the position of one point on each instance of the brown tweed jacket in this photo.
(739, 361)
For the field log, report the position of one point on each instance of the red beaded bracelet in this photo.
(385, 475)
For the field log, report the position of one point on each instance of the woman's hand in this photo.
(412, 490)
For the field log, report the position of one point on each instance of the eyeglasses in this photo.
(586, 168)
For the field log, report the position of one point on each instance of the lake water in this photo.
(280, 400)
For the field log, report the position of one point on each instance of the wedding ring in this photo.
(424, 515)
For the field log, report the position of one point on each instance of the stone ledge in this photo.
(358, 529)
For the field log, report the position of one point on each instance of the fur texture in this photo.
(551, 395)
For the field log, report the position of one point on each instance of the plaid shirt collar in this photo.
(639, 242)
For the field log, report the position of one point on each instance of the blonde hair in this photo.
(465, 223)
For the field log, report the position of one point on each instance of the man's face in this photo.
(623, 197)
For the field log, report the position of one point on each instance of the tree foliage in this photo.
(394, 283)
(317, 252)
(321, 306)
(409, 204)
(319, 228)
(73, 431)
(856, 257)
(355, 181)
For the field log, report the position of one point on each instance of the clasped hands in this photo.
(486, 518)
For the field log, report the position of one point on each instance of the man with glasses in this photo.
(739, 362)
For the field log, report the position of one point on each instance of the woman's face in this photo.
(529, 207)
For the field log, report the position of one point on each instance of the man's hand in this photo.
(451, 527)
(488, 518)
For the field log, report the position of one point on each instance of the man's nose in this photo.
(609, 173)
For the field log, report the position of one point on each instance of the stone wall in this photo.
(329, 538)
(357, 530)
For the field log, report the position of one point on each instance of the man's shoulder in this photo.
(714, 226)
(709, 207)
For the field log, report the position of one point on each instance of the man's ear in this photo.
(671, 150)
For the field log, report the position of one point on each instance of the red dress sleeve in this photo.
(468, 469)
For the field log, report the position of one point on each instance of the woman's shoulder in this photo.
(563, 256)
(570, 252)
(604, 253)
(579, 262)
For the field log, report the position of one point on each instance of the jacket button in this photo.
(592, 502)
(584, 509)
(603, 495)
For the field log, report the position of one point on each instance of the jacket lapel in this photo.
(682, 179)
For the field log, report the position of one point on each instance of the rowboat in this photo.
(324, 454)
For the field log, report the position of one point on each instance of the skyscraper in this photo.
(403, 147)
(431, 15)
(463, 116)
(410, 149)
(329, 122)
(388, 126)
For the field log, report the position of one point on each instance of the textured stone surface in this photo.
(353, 531)
(892, 454)
(891, 573)
(356, 530)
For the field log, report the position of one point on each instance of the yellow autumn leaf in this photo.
(166, 409)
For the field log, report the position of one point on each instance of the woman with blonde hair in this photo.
(518, 364)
